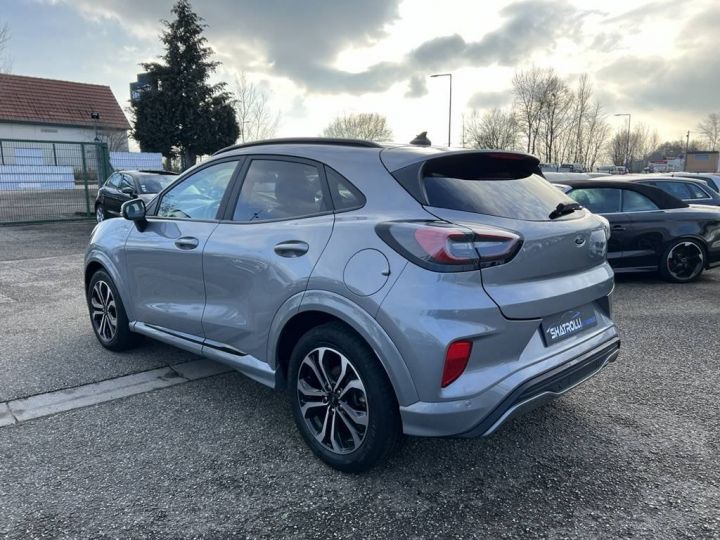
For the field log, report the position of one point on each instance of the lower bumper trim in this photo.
(544, 388)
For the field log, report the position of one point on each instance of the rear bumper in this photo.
(477, 417)
(546, 387)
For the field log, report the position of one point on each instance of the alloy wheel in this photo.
(333, 401)
(685, 261)
(99, 214)
(104, 311)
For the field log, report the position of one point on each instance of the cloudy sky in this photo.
(657, 59)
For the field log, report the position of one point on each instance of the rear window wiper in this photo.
(563, 209)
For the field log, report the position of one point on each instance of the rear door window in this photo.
(278, 189)
(599, 200)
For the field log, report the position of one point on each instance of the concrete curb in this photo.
(21, 410)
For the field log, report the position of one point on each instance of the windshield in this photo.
(154, 183)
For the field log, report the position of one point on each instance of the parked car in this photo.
(123, 186)
(556, 177)
(388, 290)
(712, 180)
(652, 230)
(690, 190)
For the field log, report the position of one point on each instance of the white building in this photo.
(32, 108)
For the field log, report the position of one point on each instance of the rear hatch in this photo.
(560, 263)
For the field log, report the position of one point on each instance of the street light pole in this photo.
(627, 145)
(449, 75)
(687, 147)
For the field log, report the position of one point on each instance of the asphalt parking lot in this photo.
(635, 452)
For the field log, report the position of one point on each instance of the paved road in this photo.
(634, 452)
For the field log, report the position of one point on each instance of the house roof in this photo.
(49, 101)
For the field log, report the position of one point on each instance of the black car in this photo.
(652, 230)
(127, 185)
(690, 190)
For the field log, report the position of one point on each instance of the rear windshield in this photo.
(531, 198)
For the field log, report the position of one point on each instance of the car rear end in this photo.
(504, 306)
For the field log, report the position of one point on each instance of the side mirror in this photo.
(135, 211)
(128, 191)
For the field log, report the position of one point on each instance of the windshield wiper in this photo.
(563, 209)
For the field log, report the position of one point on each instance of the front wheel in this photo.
(107, 314)
(683, 261)
(99, 213)
(342, 400)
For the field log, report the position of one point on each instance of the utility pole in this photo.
(687, 147)
(449, 75)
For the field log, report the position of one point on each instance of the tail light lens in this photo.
(456, 360)
(444, 247)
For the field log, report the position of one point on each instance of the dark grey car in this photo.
(388, 290)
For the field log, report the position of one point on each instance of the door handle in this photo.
(187, 242)
(618, 228)
(292, 248)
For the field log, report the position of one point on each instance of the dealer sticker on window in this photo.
(567, 324)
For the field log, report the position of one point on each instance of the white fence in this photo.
(136, 160)
(15, 177)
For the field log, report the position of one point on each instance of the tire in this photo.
(327, 424)
(104, 306)
(683, 261)
(99, 213)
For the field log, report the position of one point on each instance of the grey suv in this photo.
(388, 290)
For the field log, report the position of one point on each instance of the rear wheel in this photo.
(342, 400)
(683, 261)
(107, 314)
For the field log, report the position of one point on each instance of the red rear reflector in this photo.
(456, 361)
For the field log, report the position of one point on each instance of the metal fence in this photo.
(50, 180)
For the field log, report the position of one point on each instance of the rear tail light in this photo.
(444, 247)
(456, 360)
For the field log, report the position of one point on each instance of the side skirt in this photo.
(244, 363)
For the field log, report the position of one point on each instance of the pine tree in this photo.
(181, 114)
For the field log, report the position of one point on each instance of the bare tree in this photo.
(366, 126)
(5, 61)
(640, 147)
(117, 141)
(556, 107)
(528, 89)
(596, 133)
(710, 130)
(257, 120)
(496, 129)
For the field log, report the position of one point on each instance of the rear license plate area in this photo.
(570, 323)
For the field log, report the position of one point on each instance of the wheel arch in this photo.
(97, 260)
(313, 308)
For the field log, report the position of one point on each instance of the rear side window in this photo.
(345, 196)
(484, 184)
(599, 200)
(696, 192)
